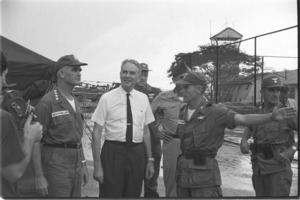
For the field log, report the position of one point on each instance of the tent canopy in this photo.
(31, 71)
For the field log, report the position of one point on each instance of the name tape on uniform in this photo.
(59, 113)
(181, 121)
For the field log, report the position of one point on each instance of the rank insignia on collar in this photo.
(180, 121)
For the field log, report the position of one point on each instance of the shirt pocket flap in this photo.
(62, 119)
(200, 134)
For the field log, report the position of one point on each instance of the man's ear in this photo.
(60, 73)
(200, 88)
(261, 91)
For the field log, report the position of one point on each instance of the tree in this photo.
(232, 65)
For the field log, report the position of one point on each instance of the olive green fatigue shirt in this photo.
(281, 136)
(203, 131)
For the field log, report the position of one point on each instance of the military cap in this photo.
(193, 78)
(272, 82)
(144, 67)
(68, 60)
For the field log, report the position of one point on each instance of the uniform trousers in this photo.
(275, 184)
(214, 191)
(123, 168)
(171, 151)
(62, 170)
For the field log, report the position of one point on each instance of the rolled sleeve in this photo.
(155, 104)
(148, 115)
(43, 115)
(229, 119)
(99, 116)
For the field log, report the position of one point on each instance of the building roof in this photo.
(227, 34)
(288, 77)
(246, 80)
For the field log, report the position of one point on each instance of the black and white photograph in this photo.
(149, 99)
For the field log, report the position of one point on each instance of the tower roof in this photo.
(228, 34)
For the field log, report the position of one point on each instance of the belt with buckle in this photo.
(133, 144)
(65, 145)
(191, 154)
(175, 136)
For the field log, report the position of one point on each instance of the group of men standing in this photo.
(134, 118)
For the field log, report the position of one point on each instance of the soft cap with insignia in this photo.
(193, 78)
(144, 67)
(271, 82)
(68, 60)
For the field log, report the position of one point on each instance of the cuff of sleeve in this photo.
(230, 119)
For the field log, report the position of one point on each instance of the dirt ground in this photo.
(235, 169)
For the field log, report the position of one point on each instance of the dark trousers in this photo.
(214, 191)
(150, 185)
(124, 170)
(271, 185)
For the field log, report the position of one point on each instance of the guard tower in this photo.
(228, 35)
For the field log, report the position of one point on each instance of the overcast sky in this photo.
(105, 32)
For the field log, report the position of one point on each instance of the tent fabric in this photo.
(31, 71)
(18, 53)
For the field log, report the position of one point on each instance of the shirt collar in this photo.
(123, 92)
(202, 106)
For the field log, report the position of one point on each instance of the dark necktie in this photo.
(129, 122)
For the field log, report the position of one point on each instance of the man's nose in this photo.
(127, 74)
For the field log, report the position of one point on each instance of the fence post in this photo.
(254, 98)
(217, 77)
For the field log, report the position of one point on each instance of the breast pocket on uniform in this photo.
(167, 107)
(272, 130)
(200, 135)
(62, 118)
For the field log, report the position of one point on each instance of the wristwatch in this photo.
(151, 159)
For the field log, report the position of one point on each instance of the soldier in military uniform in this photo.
(143, 86)
(166, 107)
(150, 185)
(273, 147)
(201, 128)
(60, 165)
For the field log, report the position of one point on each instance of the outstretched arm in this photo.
(257, 119)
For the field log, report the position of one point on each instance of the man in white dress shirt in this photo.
(124, 114)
